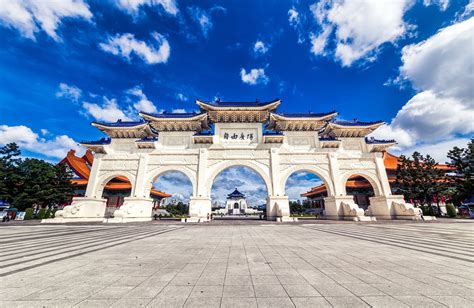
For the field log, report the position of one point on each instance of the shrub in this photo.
(48, 213)
(451, 210)
(29, 214)
(53, 213)
(41, 213)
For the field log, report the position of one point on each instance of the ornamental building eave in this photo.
(169, 122)
(124, 129)
(300, 122)
(238, 112)
(240, 106)
(350, 129)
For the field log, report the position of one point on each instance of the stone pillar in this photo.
(88, 208)
(278, 206)
(91, 189)
(381, 205)
(332, 204)
(200, 206)
(139, 206)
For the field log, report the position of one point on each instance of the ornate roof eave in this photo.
(175, 122)
(310, 122)
(123, 130)
(309, 117)
(352, 130)
(96, 148)
(272, 105)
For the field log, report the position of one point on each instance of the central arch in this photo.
(262, 170)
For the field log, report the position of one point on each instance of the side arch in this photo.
(369, 176)
(262, 170)
(322, 174)
(107, 177)
(153, 175)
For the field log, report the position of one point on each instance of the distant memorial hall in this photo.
(227, 134)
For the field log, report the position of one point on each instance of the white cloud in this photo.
(29, 16)
(144, 104)
(438, 150)
(72, 93)
(204, 18)
(443, 4)
(44, 131)
(178, 110)
(29, 140)
(293, 16)
(124, 45)
(109, 111)
(176, 184)
(259, 48)
(132, 6)
(181, 97)
(300, 182)
(254, 76)
(442, 70)
(360, 27)
(318, 42)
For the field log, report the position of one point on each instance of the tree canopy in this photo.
(418, 179)
(462, 161)
(28, 182)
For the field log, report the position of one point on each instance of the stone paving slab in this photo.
(256, 264)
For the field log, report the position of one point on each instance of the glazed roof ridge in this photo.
(120, 123)
(306, 115)
(100, 141)
(372, 140)
(257, 103)
(172, 115)
(356, 123)
(236, 193)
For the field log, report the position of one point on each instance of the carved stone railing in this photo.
(404, 210)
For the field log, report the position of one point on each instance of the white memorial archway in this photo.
(228, 134)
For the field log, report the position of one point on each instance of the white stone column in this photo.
(200, 206)
(381, 205)
(88, 208)
(278, 206)
(139, 206)
(91, 189)
(332, 204)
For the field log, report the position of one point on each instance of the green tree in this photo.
(462, 160)
(419, 179)
(29, 182)
(9, 160)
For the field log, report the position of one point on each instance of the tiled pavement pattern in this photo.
(246, 265)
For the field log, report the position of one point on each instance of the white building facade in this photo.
(227, 134)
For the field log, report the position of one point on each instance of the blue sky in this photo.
(63, 65)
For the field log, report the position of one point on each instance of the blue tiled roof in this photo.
(305, 115)
(240, 104)
(356, 123)
(204, 133)
(120, 123)
(165, 115)
(272, 133)
(236, 194)
(98, 142)
(148, 139)
(372, 140)
(328, 138)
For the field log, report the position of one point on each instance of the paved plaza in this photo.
(232, 264)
